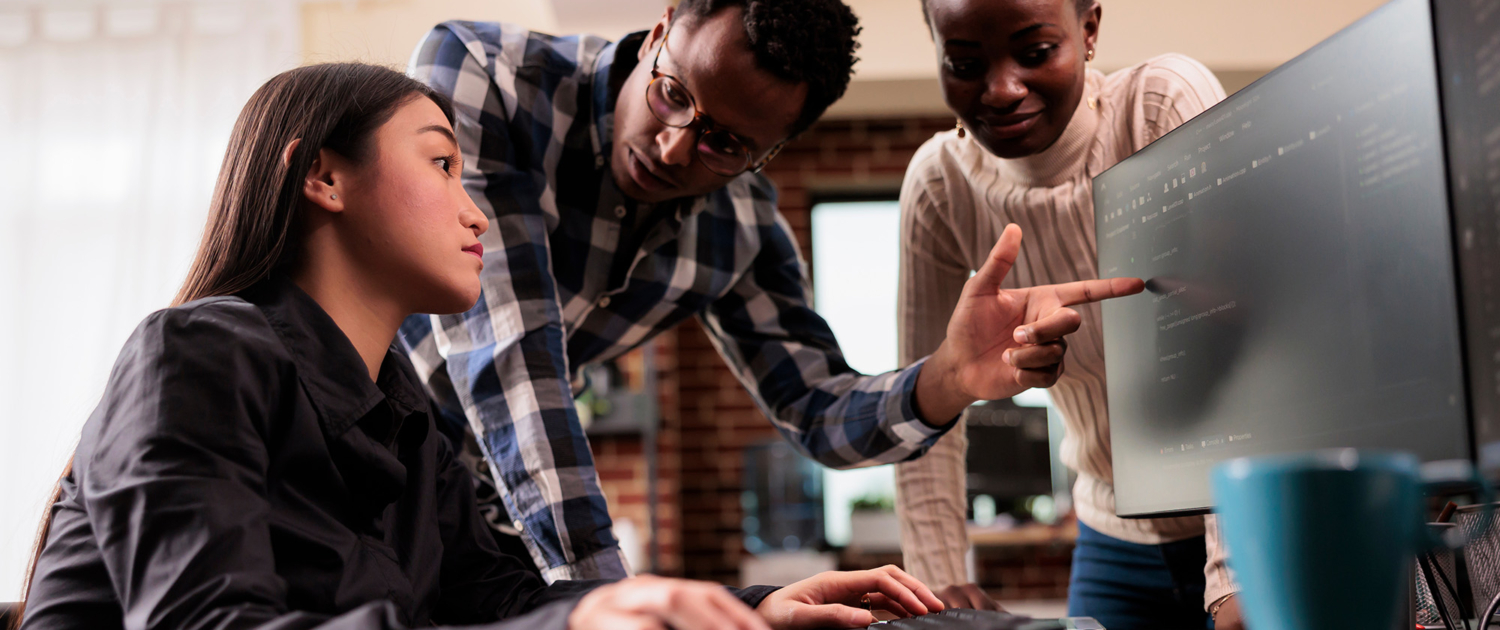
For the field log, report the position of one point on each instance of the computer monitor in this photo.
(1010, 455)
(1302, 285)
(1469, 57)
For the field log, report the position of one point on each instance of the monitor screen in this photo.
(1300, 287)
(1469, 55)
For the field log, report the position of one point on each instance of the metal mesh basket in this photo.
(1459, 584)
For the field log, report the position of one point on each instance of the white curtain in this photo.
(114, 117)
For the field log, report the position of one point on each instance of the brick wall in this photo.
(1026, 572)
(623, 472)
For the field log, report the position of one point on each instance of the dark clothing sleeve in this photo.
(175, 488)
(176, 495)
(242, 472)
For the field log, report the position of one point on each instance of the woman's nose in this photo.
(473, 218)
(1003, 88)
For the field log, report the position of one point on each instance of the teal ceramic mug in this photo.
(1323, 539)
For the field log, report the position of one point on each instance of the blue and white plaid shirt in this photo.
(535, 115)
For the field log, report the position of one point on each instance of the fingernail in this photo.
(1023, 335)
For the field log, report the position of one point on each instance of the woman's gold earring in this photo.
(960, 127)
(1089, 56)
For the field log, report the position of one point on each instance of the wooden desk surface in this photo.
(1029, 534)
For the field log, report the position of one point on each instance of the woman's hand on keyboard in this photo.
(967, 596)
(836, 599)
(647, 602)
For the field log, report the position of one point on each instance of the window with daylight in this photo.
(113, 122)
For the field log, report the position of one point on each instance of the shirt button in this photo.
(604, 302)
(520, 527)
(620, 211)
(598, 161)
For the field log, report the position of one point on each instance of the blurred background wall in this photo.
(1238, 39)
(114, 114)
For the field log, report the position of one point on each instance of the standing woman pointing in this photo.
(1034, 127)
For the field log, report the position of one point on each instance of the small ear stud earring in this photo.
(1089, 56)
(335, 195)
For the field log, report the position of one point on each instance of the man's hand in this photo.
(654, 603)
(967, 596)
(833, 599)
(1004, 341)
(1229, 615)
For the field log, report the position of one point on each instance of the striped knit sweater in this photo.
(956, 200)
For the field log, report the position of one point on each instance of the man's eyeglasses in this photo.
(671, 103)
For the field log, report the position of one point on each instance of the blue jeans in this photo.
(1127, 586)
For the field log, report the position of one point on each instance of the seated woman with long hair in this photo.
(263, 458)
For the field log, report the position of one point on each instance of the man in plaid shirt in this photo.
(621, 181)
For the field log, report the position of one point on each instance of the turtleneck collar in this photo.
(1067, 157)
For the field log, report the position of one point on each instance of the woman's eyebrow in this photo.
(1028, 30)
(439, 129)
(969, 43)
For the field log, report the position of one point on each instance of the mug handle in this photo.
(1456, 475)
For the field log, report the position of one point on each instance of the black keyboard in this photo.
(966, 619)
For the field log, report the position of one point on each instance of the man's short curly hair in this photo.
(802, 41)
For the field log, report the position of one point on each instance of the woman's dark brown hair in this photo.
(253, 218)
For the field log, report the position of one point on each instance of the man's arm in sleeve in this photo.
(784, 353)
(505, 358)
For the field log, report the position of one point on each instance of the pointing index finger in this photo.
(1085, 291)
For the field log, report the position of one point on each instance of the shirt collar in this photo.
(329, 368)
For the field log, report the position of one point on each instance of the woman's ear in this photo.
(1091, 21)
(323, 183)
